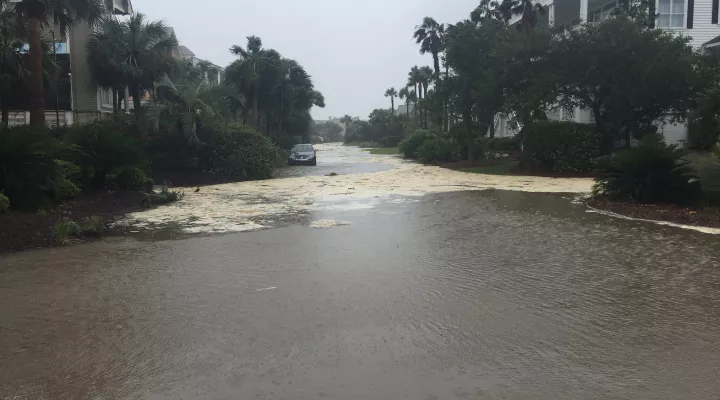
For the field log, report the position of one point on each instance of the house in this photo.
(696, 19)
(77, 98)
(403, 109)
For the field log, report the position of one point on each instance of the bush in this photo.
(241, 153)
(66, 190)
(369, 144)
(437, 148)
(562, 146)
(703, 134)
(409, 146)
(28, 173)
(102, 146)
(650, 172)
(93, 226)
(4, 203)
(70, 171)
(165, 196)
(391, 141)
(64, 229)
(149, 184)
(131, 178)
(709, 176)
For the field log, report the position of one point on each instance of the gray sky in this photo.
(353, 49)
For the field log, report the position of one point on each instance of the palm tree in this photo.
(403, 94)
(248, 70)
(429, 36)
(391, 93)
(294, 94)
(504, 10)
(38, 13)
(414, 79)
(426, 76)
(187, 104)
(347, 120)
(12, 38)
(412, 97)
(131, 53)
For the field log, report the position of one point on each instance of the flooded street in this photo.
(391, 280)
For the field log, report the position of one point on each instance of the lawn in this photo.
(506, 168)
(383, 150)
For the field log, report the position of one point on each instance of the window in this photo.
(602, 13)
(671, 13)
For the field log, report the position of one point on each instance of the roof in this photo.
(185, 52)
(712, 42)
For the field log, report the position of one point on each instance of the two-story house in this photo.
(696, 19)
(77, 98)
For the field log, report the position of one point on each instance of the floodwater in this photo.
(484, 294)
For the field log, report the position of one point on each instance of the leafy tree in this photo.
(38, 13)
(391, 93)
(630, 76)
(504, 10)
(429, 35)
(347, 120)
(12, 38)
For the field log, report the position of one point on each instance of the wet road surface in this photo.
(484, 295)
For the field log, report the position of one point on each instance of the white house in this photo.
(696, 19)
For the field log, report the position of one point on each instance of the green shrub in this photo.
(391, 141)
(4, 203)
(70, 171)
(561, 146)
(703, 134)
(287, 142)
(131, 178)
(650, 172)
(63, 230)
(149, 184)
(437, 148)
(66, 190)
(369, 144)
(93, 226)
(103, 146)
(28, 173)
(241, 153)
(409, 146)
(164, 196)
(709, 176)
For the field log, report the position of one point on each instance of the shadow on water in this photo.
(489, 294)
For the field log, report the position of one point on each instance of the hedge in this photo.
(561, 146)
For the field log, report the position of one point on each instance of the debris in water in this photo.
(267, 288)
(327, 223)
(332, 174)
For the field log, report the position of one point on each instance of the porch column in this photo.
(127, 100)
(583, 11)
(551, 14)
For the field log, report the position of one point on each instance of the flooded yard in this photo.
(390, 280)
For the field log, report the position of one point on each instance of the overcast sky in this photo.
(353, 49)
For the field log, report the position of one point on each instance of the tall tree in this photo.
(132, 53)
(426, 76)
(347, 120)
(247, 71)
(415, 77)
(391, 93)
(429, 35)
(38, 13)
(12, 38)
(412, 97)
(403, 94)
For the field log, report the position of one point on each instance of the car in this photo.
(303, 154)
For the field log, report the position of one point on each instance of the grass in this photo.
(63, 230)
(93, 226)
(498, 169)
(383, 150)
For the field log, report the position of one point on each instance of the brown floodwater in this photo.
(483, 295)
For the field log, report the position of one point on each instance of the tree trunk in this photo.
(468, 123)
(255, 116)
(425, 120)
(137, 100)
(115, 94)
(5, 115)
(35, 58)
(407, 108)
(392, 104)
(436, 64)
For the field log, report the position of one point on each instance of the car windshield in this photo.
(302, 148)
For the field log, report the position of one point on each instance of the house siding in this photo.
(703, 29)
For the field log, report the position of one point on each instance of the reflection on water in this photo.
(469, 295)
